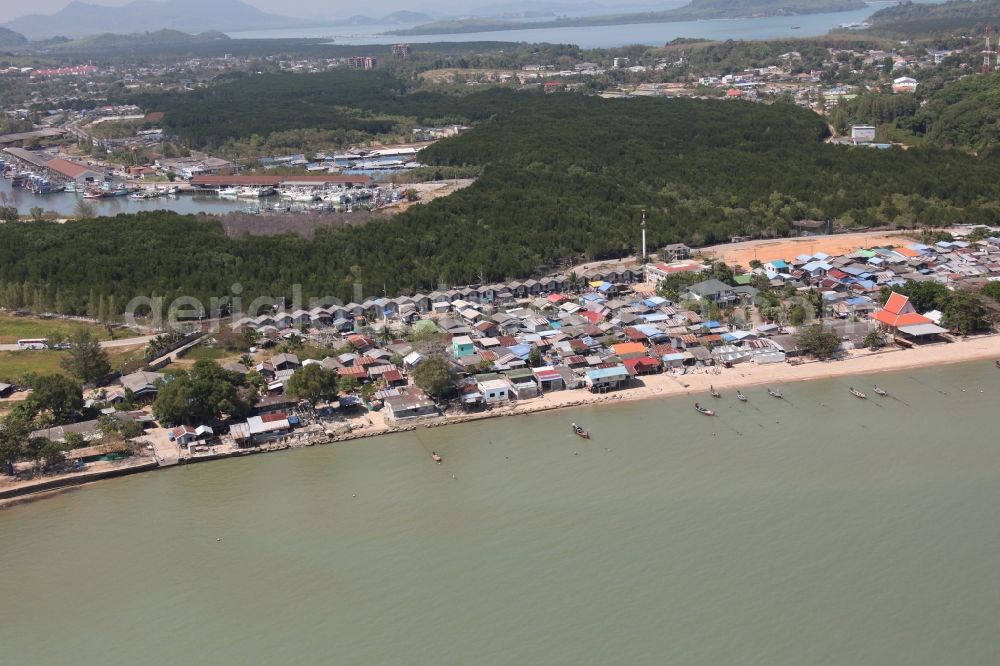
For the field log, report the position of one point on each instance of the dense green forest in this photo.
(963, 113)
(565, 177)
(368, 102)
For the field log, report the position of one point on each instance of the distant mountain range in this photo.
(11, 40)
(396, 18)
(80, 19)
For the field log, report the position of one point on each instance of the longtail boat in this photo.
(703, 410)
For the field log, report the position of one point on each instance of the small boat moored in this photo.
(774, 394)
(858, 394)
(703, 410)
(998, 364)
(740, 396)
(880, 391)
(580, 432)
(436, 458)
(715, 394)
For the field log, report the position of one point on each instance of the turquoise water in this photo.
(817, 530)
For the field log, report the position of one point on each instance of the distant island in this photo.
(139, 40)
(395, 18)
(693, 11)
(954, 9)
(910, 20)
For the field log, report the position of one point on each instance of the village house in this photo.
(411, 404)
(611, 378)
(142, 384)
(899, 317)
(493, 388)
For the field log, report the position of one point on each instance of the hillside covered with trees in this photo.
(564, 178)
(920, 20)
(961, 114)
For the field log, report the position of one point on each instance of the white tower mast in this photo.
(644, 255)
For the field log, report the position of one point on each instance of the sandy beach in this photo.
(984, 348)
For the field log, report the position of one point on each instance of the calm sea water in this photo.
(817, 530)
(64, 203)
(609, 36)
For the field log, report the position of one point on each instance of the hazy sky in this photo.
(10, 9)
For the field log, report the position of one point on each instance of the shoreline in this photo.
(663, 385)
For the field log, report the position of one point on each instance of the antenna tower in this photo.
(987, 52)
(644, 235)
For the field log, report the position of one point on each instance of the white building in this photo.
(494, 391)
(862, 133)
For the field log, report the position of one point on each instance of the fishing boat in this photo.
(858, 394)
(94, 194)
(715, 394)
(40, 185)
(740, 396)
(436, 458)
(880, 391)
(774, 394)
(703, 410)
(229, 192)
(580, 432)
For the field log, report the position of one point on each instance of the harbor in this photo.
(30, 184)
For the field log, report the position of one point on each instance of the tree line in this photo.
(564, 177)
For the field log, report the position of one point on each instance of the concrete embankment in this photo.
(26, 490)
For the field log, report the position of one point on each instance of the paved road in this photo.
(176, 354)
(107, 344)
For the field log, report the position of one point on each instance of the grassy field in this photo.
(201, 352)
(14, 328)
(14, 365)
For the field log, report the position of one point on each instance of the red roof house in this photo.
(898, 311)
(641, 365)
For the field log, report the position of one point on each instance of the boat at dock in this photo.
(704, 410)
(774, 394)
(880, 391)
(713, 392)
(39, 185)
(858, 394)
(740, 396)
(580, 432)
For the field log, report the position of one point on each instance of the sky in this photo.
(10, 9)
